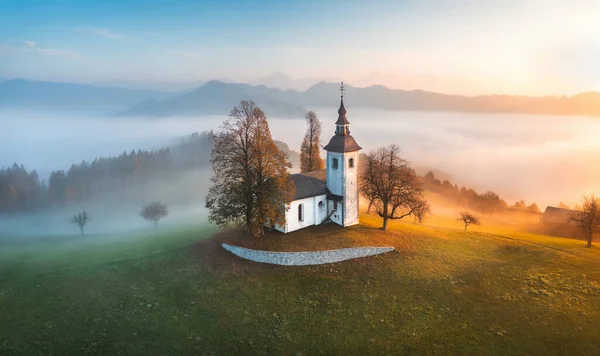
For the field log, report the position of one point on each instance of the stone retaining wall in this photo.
(305, 258)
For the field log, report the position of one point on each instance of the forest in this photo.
(488, 202)
(22, 190)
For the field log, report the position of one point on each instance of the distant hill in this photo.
(380, 97)
(282, 81)
(217, 98)
(293, 156)
(20, 93)
(163, 86)
(214, 98)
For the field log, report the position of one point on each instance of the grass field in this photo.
(442, 292)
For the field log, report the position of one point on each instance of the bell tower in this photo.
(342, 171)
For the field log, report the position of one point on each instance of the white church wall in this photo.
(335, 176)
(311, 214)
(351, 189)
(344, 181)
(336, 217)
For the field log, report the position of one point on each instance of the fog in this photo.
(538, 158)
(543, 159)
(119, 212)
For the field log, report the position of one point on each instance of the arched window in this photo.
(301, 212)
(351, 162)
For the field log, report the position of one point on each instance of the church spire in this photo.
(342, 141)
(342, 121)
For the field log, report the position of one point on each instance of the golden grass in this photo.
(443, 292)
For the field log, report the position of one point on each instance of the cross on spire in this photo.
(342, 89)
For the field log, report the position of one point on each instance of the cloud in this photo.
(55, 52)
(188, 54)
(100, 32)
(31, 47)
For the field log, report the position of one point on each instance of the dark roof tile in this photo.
(342, 115)
(309, 184)
(342, 143)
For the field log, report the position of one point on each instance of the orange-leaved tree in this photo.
(310, 157)
(250, 184)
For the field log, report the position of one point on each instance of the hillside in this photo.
(217, 98)
(443, 292)
(19, 93)
(380, 97)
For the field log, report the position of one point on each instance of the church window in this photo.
(334, 163)
(351, 162)
(334, 205)
(301, 212)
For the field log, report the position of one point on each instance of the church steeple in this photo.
(342, 141)
(342, 124)
(342, 171)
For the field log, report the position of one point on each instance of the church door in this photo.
(320, 212)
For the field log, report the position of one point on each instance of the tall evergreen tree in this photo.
(310, 157)
(250, 180)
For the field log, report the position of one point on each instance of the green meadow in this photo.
(176, 292)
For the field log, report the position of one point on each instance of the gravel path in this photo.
(305, 258)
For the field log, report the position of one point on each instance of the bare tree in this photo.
(155, 211)
(393, 186)
(588, 218)
(250, 178)
(81, 219)
(310, 157)
(468, 219)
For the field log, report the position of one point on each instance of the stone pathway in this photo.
(305, 258)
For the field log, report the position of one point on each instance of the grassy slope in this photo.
(443, 292)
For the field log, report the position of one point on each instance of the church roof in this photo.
(341, 144)
(309, 184)
(342, 115)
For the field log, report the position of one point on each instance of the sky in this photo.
(530, 47)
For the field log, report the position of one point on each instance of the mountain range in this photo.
(20, 93)
(215, 97)
(283, 81)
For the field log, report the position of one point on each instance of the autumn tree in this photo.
(490, 202)
(520, 205)
(393, 186)
(310, 157)
(588, 218)
(155, 211)
(250, 184)
(468, 219)
(81, 219)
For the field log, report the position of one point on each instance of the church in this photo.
(330, 194)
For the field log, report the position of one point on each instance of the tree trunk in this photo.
(385, 216)
(81, 228)
(466, 226)
(589, 240)
(370, 205)
(248, 210)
